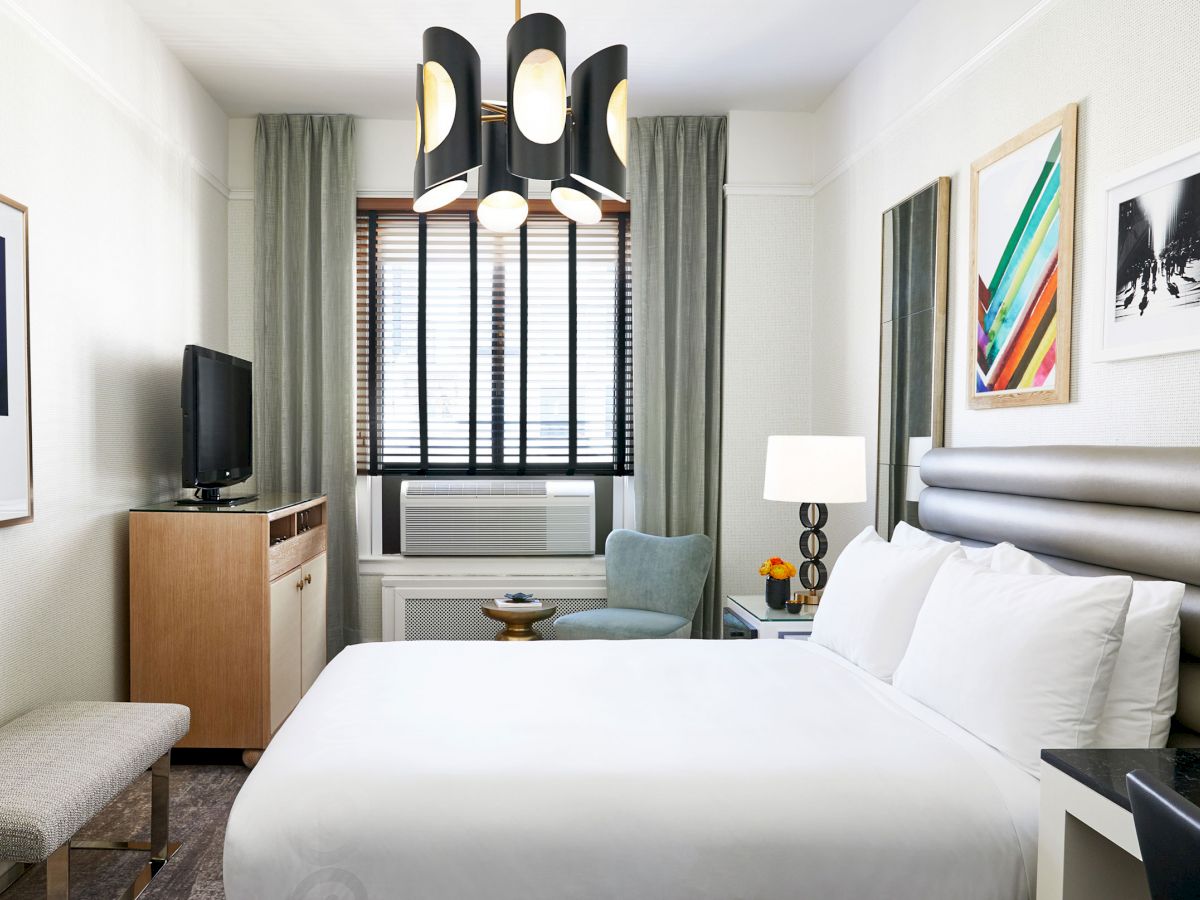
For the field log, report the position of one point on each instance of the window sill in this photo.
(460, 566)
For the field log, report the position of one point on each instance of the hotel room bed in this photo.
(696, 769)
(667, 769)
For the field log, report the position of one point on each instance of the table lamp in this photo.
(814, 470)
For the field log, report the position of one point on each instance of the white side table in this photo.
(752, 611)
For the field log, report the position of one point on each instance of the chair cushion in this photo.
(620, 625)
(62, 764)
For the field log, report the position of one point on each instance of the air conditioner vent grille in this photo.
(465, 488)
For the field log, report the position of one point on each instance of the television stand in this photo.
(212, 497)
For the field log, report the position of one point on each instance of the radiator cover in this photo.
(432, 608)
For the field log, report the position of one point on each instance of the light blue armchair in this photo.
(654, 587)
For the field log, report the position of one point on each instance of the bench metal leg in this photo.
(58, 874)
(160, 849)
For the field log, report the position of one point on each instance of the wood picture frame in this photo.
(1022, 243)
(16, 407)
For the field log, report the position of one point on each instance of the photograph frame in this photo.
(1135, 181)
(17, 402)
(1066, 120)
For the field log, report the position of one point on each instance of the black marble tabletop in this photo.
(1105, 770)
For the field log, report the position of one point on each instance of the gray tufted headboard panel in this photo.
(1084, 511)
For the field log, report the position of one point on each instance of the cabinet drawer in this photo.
(286, 555)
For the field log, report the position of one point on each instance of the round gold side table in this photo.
(518, 623)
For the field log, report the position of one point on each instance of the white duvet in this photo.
(630, 769)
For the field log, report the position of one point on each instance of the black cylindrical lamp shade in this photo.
(502, 195)
(428, 199)
(450, 123)
(537, 97)
(574, 199)
(599, 103)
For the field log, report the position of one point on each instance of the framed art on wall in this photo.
(1151, 287)
(16, 445)
(1022, 230)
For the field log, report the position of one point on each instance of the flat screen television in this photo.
(217, 422)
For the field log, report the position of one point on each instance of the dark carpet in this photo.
(201, 796)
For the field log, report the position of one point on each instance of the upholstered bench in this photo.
(62, 764)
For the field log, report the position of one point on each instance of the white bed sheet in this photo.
(631, 769)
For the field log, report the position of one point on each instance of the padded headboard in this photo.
(1084, 511)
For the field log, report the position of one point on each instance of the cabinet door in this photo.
(313, 598)
(285, 646)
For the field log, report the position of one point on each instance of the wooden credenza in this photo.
(227, 613)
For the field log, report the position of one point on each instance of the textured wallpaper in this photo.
(1135, 81)
(768, 335)
(128, 250)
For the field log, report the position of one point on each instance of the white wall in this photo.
(121, 158)
(1135, 79)
(768, 307)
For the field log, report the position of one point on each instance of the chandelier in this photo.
(577, 142)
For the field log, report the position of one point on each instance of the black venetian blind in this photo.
(486, 353)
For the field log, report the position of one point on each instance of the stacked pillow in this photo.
(882, 586)
(978, 634)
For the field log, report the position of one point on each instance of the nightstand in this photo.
(748, 616)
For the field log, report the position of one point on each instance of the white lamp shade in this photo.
(816, 469)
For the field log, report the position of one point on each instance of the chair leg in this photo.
(160, 808)
(58, 873)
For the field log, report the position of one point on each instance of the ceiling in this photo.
(359, 56)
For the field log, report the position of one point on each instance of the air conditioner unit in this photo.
(497, 518)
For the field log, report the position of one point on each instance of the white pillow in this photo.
(1023, 662)
(905, 535)
(874, 594)
(1145, 682)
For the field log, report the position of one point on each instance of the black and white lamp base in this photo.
(813, 546)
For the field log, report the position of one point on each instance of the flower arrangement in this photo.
(779, 569)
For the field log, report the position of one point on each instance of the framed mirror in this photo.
(912, 348)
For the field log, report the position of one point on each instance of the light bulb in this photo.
(503, 211)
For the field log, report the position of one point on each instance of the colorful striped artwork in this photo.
(1022, 202)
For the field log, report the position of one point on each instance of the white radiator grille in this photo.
(460, 619)
(425, 608)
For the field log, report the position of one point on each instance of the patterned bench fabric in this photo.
(62, 764)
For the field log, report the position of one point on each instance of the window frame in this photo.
(623, 463)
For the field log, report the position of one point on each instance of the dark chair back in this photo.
(1168, 833)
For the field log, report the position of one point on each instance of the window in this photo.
(487, 353)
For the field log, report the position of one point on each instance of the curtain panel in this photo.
(304, 220)
(676, 178)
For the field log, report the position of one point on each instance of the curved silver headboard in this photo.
(1085, 511)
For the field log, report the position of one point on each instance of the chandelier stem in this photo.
(518, 4)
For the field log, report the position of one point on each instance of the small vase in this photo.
(778, 592)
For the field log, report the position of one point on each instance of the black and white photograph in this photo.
(1153, 266)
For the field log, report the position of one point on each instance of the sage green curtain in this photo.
(676, 179)
(304, 224)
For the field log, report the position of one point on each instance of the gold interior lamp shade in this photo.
(440, 104)
(427, 200)
(539, 105)
(439, 195)
(503, 211)
(573, 199)
(576, 204)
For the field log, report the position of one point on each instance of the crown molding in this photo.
(102, 87)
(769, 190)
(889, 130)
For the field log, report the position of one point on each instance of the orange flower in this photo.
(764, 569)
(781, 571)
